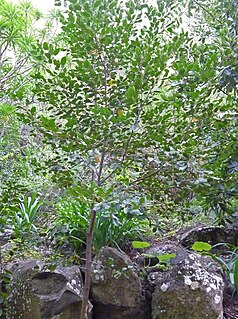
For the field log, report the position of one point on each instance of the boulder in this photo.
(117, 290)
(232, 233)
(152, 262)
(40, 293)
(191, 289)
(150, 259)
(209, 234)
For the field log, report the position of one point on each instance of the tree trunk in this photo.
(84, 308)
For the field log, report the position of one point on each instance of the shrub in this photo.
(110, 229)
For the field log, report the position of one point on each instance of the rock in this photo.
(212, 235)
(38, 293)
(150, 260)
(5, 235)
(209, 234)
(192, 289)
(149, 257)
(117, 290)
(232, 233)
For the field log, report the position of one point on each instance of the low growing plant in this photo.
(163, 259)
(5, 279)
(26, 214)
(110, 229)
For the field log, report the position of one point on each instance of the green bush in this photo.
(110, 229)
(25, 216)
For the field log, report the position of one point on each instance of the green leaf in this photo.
(201, 246)
(33, 110)
(49, 123)
(131, 93)
(63, 61)
(45, 46)
(235, 271)
(166, 257)
(87, 64)
(140, 244)
(56, 51)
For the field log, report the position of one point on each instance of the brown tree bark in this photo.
(88, 267)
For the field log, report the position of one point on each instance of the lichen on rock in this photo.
(194, 291)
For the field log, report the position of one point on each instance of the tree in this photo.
(19, 36)
(99, 86)
(16, 38)
(217, 28)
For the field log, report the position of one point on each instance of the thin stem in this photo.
(2, 133)
(128, 140)
(101, 163)
(207, 11)
(89, 243)
(2, 53)
(142, 178)
(15, 70)
(88, 267)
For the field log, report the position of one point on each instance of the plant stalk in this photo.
(88, 267)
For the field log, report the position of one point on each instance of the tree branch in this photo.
(15, 71)
(129, 138)
(207, 11)
(142, 178)
(101, 163)
(2, 133)
(124, 152)
(2, 52)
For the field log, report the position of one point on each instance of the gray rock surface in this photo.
(209, 234)
(38, 293)
(189, 287)
(192, 289)
(117, 290)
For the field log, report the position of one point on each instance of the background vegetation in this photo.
(119, 116)
(131, 108)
